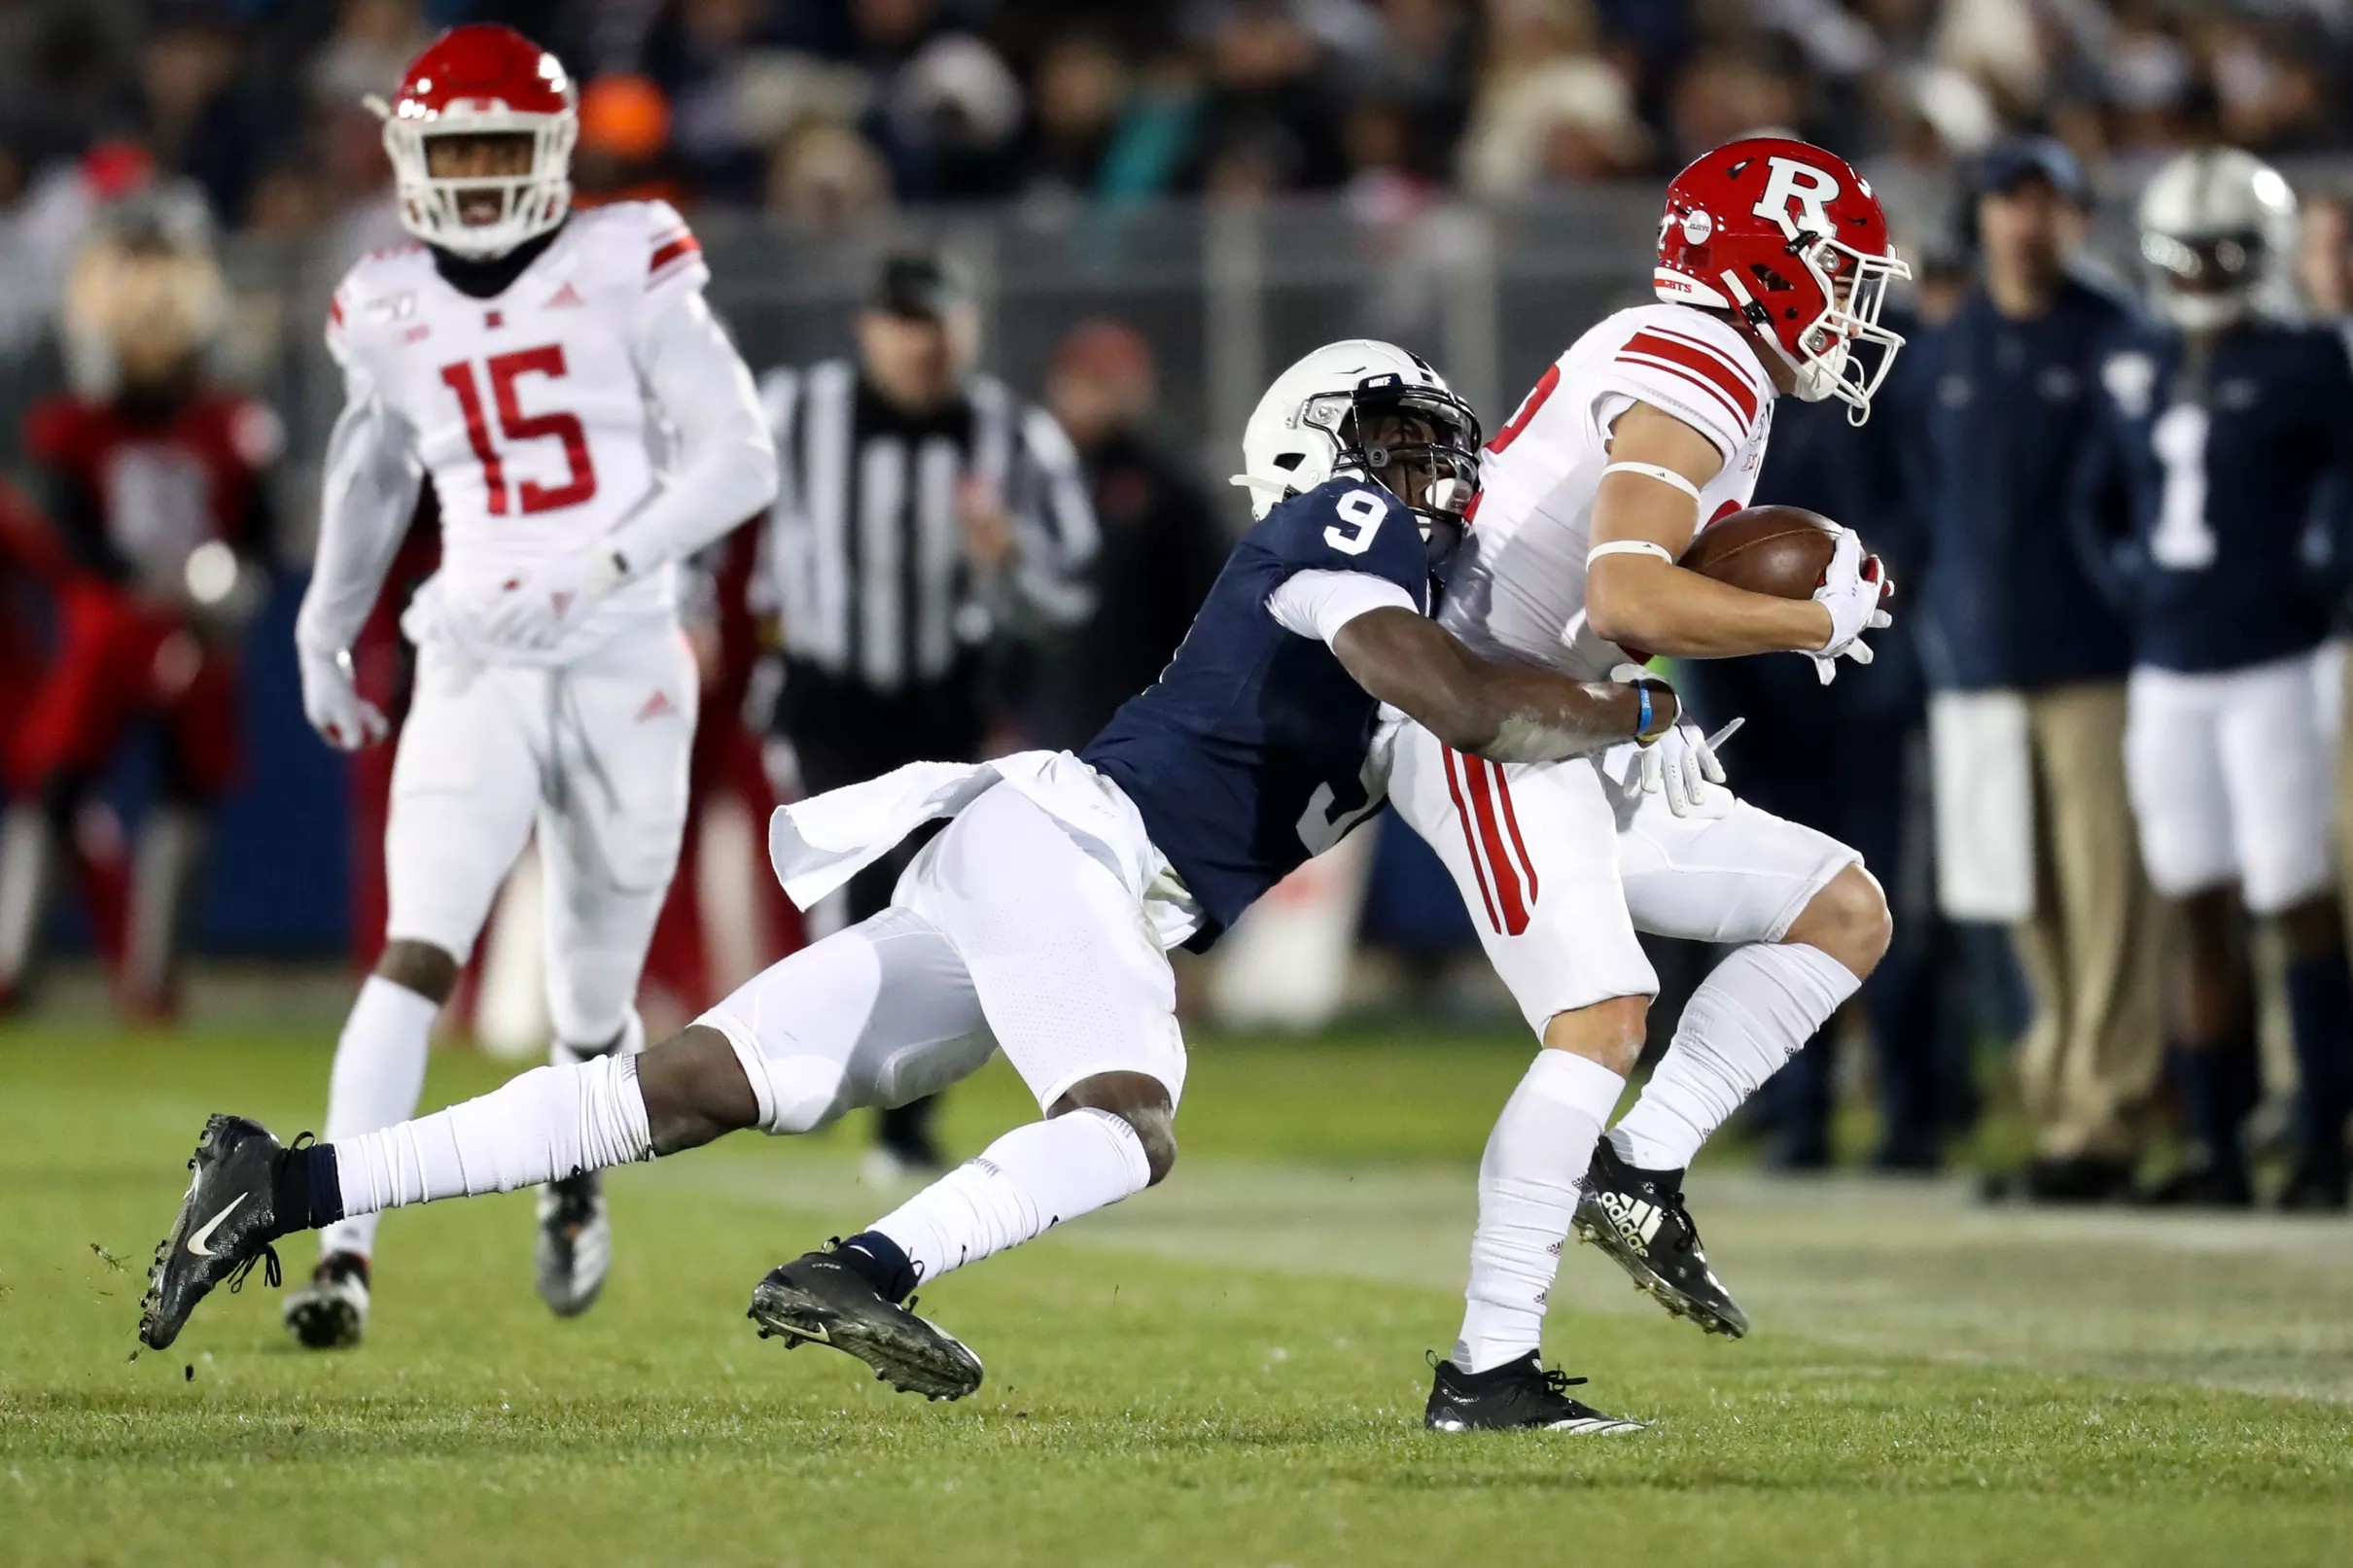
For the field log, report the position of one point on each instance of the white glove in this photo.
(1682, 765)
(331, 700)
(537, 609)
(1850, 590)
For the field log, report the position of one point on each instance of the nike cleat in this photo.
(818, 1299)
(1636, 1217)
(224, 1227)
(576, 1243)
(1522, 1395)
(330, 1312)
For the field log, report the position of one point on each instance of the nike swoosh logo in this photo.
(815, 1331)
(199, 1243)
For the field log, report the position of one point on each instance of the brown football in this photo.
(1777, 550)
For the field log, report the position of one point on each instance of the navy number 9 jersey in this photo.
(1248, 754)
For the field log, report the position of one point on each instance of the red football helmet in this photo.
(482, 80)
(1791, 238)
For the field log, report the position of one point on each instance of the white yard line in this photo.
(2259, 1304)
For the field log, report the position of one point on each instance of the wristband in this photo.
(1641, 713)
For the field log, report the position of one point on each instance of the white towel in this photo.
(819, 844)
(1984, 805)
(816, 845)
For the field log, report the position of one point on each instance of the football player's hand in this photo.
(535, 610)
(1851, 589)
(331, 700)
(1682, 765)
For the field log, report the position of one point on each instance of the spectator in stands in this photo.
(624, 143)
(824, 175)
(1163, 541)
(2028, 668)
(1552, 108)
(1272, 115)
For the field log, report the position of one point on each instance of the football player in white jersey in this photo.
(585, 423)
(1773, 263)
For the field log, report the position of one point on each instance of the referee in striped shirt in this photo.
(926, 515)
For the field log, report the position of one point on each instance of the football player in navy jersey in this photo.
(1037, 923)
(2218, 470)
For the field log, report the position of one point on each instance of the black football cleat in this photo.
(330, 1312)
(2316, 1187)
(1522, 1395)
(1636, 1217)
(818, 1299)
(224, 1226)
(2203, 1184)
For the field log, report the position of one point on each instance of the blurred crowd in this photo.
(830, 110)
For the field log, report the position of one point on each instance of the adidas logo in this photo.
(656, 705)
(566, 298)
(1636, 1220)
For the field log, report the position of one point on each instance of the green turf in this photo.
(1147, 1402)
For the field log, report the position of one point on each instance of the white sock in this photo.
(1746, 1019)
(1530, 1181)
(627, 1043)
(548, 1124)
(378, 1075)
(1031, 1180)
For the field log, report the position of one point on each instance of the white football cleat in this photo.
(575, 1243)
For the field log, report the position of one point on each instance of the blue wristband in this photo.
(1642, 714)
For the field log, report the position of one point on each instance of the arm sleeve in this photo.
(724, 469)
(371, 492)
(1054, 532)
(1318, 604)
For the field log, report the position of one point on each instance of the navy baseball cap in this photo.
(2012, 163)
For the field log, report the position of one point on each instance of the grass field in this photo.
(1225, 1371)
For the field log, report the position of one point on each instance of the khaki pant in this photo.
(2092, 950)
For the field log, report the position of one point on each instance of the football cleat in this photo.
(224, 1227)
(2316, 1187)
(1522, 1395)
(330, 1312)
(1636, 1217)
(819, 1299)
(2203, 1184)
(576, 1243)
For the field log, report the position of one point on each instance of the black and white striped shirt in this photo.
(863, 557)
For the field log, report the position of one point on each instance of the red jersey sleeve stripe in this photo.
(1701, 363)
(1715, 351)
(1646, 363)
(671, 251)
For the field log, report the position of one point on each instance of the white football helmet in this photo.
(1314, 421)
(2217, 226)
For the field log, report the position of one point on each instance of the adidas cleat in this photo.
(818, 1299)
(224, 1227)
(1522, 1395)
(576, 1243)
(330, 1312)
(1637, 1218)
